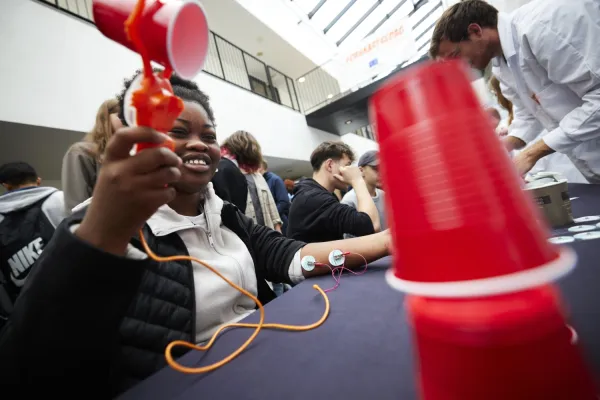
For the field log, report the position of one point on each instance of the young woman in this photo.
(243, 148)
(82, 161)
(98, 313)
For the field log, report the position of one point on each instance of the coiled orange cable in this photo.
(257, 327)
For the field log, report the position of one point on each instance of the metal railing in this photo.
(225, 61)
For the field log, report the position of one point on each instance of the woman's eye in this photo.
(178, 133)
(209, 138)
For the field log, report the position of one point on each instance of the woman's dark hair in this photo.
(184, 89)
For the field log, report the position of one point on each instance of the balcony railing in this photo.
(225, 61)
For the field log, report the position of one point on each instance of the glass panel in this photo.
(256, 68)
(317, 88)
(212, 64)
(280, 92)
(293, 93)
(233, 63)
(88, 5)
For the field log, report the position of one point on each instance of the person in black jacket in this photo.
(316, 214)
(230, 184)
(97, 313)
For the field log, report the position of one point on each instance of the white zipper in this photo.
(212, 244)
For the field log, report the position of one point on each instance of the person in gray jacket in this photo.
(81, 163)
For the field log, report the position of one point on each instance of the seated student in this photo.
(316, 215)
(29, 214)
(98, 314)
(368, 164)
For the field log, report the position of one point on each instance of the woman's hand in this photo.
(129, 189)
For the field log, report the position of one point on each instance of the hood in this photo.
(166, 221)
(23, 198)
(307, 184)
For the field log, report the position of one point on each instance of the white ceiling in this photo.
(317, 27)
(233, 22)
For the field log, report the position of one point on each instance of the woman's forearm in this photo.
(371, 247)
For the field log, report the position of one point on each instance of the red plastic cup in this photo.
(175, 32)
(460, 222)
(514, 346)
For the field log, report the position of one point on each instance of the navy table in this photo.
(364, 349)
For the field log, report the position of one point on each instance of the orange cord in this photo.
(260, 325)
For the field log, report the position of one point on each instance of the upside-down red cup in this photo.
(513, 346)
(461, 224)
(174, 32)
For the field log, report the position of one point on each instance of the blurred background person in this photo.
(29, 213)
(260, 205)
(289, 185)
(279, 192)
(230, 183)
(82, 161)
(368, 164)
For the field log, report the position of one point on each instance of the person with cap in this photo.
(316, 214)
(368, 164)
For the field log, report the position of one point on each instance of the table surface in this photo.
(364, 348)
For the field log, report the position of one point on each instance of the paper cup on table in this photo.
(516, 346)
(175, 32)
(461, 224)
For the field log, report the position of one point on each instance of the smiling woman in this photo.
(95, 277)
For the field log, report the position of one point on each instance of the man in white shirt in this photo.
(546, 59)
(368, 164)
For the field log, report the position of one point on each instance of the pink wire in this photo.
(341, 270)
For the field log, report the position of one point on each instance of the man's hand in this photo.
(526, 159)
(349, 175)
(129, 189)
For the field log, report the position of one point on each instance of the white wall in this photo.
(56, 70)
(359, 144)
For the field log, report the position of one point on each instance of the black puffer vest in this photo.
(164, 309)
